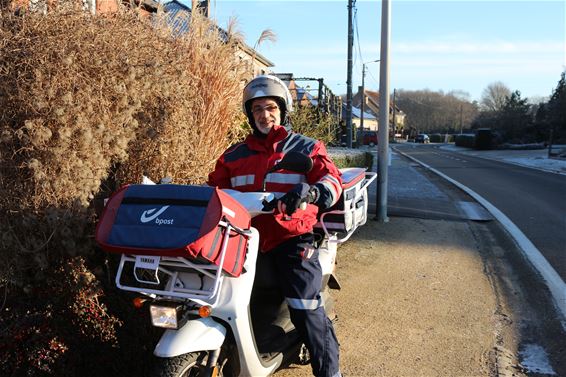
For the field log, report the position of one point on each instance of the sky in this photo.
(436, 45)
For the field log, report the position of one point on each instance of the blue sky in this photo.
(436, 45)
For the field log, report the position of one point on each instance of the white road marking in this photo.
(554, 282)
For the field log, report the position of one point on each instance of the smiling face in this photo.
(266, 114)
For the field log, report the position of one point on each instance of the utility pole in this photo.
(361, 131)
(201, 5)
(394, 122)
(383, 139)
(320, 104)
(321, 100)
(349, 79)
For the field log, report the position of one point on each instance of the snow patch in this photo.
(537, 159)
(557, 166)
(536, 360)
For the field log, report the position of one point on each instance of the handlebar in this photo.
(269, 205)
(258, 203)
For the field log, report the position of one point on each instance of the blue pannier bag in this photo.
(176, 221)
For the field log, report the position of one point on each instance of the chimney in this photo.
(202, 5)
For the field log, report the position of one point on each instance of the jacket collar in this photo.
(274, 136)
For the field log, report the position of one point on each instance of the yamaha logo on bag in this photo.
(151, 214)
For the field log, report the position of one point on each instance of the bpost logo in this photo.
(151, 215)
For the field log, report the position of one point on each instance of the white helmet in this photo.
(268, 86)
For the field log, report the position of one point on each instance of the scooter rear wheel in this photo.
(188, 365)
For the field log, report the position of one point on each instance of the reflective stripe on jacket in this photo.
(243, 166)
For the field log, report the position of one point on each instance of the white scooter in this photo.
(219, 325)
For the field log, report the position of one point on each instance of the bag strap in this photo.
(214, 242)
(157, 201)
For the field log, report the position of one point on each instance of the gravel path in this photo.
(416, 303)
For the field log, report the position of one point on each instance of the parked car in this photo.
(370, 138)
(422, 138)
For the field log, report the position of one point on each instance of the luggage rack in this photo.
(185, 278)
(360, 193)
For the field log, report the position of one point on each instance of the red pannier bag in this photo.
(174, 221)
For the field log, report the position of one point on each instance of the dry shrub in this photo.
(64, 317)
(84, 94)
(313, 123)
(68, 103)
(88, 103)
(187, 129)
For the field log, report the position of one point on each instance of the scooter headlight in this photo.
(167, 315)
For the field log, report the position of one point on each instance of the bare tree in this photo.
(429, 111)
(494, 96)
(460, 94)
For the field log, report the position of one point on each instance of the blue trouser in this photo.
(300, 279)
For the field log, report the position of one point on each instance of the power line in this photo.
(373, 78)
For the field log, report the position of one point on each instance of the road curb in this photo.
(554, 282)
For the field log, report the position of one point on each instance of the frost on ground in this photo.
(537, 158)
(535, 360)
(531, 158)
(540, 163)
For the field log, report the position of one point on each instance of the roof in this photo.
(304, 95)
(356, 112)
(298, 93)
(374, 97)
(179, 15)
(258, 56)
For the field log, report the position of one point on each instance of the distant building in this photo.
(179, 13)
(371, 105)
(300, 95)
(370, 120)
(320, 97)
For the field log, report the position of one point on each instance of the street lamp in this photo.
(362, 133)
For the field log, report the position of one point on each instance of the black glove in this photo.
(292, 200)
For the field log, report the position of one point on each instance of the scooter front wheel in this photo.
(191, 364)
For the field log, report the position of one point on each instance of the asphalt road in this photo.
(430, 293)
(534, 200)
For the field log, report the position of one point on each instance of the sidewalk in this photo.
(435, 310)
(430, 293)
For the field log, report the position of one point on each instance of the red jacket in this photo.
(242, 167)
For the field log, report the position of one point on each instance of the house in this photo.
(260, 64)
(369, 123)
(179, 12)
(304, 98)
(300, 95)
(370, 120)
(320, 97)
(371, 105)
